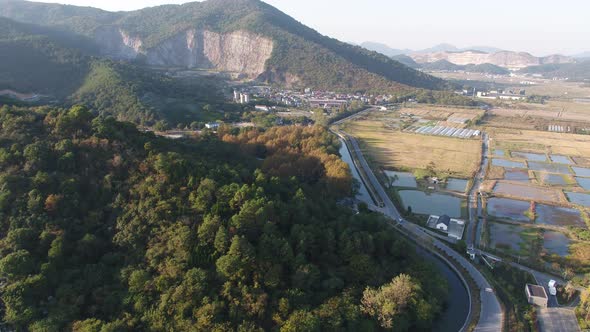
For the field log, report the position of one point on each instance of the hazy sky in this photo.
(537, 26)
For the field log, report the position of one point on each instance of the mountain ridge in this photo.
(507, 59)
(299, 56)
(444, 47)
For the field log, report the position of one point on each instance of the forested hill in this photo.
(280, 49)
(579, 71)
(66, 68)
(104, 228)
(40, 60)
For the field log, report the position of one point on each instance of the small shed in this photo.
(443, 223)
(536, 295)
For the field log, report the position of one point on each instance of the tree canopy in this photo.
(104, 228)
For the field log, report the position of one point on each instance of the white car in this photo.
(552, 288)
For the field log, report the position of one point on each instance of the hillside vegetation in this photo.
(64, 67)
(103, 228)
(579, 71)
(485, 68)
(299, 53)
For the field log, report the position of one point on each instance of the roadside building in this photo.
(443, 223)
(262, 108)
(454, 228)
(502, 95)
(327, 103)
(536, 295)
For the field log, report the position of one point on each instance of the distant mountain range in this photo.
(582, 55)
(246, 38)
(475, 55)
(444, 65)
(506, 59)
(385, 49)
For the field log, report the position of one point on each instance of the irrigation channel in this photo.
(457, 308)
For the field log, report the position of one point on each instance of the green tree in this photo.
(301, 321)
(237, 263)
(17, 264)
(391, 301)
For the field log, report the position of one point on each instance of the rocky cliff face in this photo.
(239, 52)
(506, 59)
(116, 43)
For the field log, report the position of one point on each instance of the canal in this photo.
(363, 194)
(457, 304)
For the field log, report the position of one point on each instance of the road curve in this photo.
(491, 315)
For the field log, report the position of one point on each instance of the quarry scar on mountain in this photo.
(238, 51)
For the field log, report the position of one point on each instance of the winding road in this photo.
(491, 315)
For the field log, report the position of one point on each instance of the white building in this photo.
(453, 227)
(499, 95)
(212, 125)
(443, 223)
(536, 295)
(262, 108)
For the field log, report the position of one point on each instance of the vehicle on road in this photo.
(552, 288)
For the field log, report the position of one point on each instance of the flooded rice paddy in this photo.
(579, 198)
(581, 171)
(515, 174)
(526, 192)
(507, 163)
(556, 243)
(548, 167)
(530, 156)
(402, 179)
(437, 204)
(509, 209)
(558, 216)
(504, 236)
(561, 159)
(553, 179)
(584, 183)
(458, 185)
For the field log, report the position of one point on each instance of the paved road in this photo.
(491, 314)
(558, 320)
(471, 237)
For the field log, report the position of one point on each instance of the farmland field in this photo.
(540, 142)
(393, 149)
